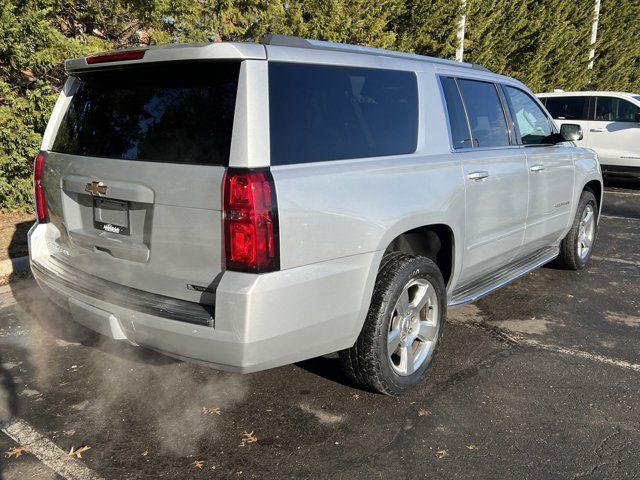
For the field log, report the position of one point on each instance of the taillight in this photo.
(116, 57)
(41, 206)
(250, 221)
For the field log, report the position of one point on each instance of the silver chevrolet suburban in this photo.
(252, 205)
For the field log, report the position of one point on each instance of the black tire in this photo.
(570, 257)
(367, 363)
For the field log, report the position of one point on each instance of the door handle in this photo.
(536, 168)
(597, 130)
(479, 175)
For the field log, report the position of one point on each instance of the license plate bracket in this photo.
(111, 216)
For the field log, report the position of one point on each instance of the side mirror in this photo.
(638, 117)
(570, 132)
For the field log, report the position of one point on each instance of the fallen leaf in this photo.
(472, 447)
(16, 452)
(211, 410)
(145, 453)
(355, 396)
(248, 437)
(198, 464)
(423, 413)
(69, 433)
(442, 453)
(78, 453)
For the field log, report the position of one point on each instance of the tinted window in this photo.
(486, 117)
(533, 124)
(567, 108)
(320, 112)
(166, 114)
(460, 134)
(609, 109)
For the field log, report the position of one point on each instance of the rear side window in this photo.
(533, 124)
(486, 116)
(610, 109)
(568, 108)
(460, 134)
(163, 113)
(320, 113)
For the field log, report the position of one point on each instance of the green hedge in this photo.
(545, 43)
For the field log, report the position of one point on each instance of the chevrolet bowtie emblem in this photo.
(96, 188)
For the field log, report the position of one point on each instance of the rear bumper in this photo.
(261, 321)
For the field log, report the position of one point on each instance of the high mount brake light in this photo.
(116, 57)
(250, 221)
(41, 205)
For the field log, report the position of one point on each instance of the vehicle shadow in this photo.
(327, 367)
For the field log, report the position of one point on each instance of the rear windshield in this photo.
(320, 112)
(179, 113)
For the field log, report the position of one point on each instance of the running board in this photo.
(479, 288)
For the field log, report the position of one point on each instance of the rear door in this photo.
(614, 132)
(551, 171)
(495, 175)
(134, 175)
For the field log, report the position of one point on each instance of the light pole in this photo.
(461, 27)
(594, 34)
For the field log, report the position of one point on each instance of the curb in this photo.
(14, 265)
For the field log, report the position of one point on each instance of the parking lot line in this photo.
(47, 452)
(517, 339)
(616, 260)
(612, 192)
(616, 217)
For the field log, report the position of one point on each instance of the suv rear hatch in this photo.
(133, 179)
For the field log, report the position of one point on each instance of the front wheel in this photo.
(577, 246)
(403, 327)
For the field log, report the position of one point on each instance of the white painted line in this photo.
(631, 194)
(616, 217)
(518, 339)
(47, 452)
(616, 260)
(573, 352)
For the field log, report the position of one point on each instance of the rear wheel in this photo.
(577, 246)
(403, 327)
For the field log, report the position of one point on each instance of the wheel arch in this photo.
(435, 241)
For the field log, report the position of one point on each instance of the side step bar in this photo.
(474, 290)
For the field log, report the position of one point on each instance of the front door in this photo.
(551, 172)
(614, 132)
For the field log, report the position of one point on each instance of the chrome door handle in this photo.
(597, 130)
(479, 175)
(536, 168)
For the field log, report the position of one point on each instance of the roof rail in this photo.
(299, 42)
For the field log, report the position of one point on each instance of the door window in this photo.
(610, 109)
(460, 133)
(485, 113)
(568, 108)
(533, 124)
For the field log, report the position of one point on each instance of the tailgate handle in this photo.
(132, 192)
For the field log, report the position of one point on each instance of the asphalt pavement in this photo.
(538, 380)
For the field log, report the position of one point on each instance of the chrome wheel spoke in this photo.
(427, 332)
(393, 341)
(402, 307)
(422, 297)
(407, 360)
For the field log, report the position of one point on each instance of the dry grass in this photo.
(13, 234)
